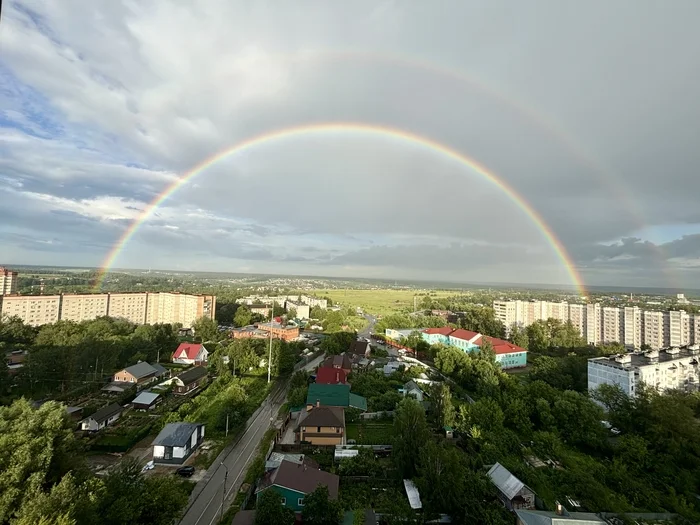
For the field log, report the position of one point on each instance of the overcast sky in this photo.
(588, 110)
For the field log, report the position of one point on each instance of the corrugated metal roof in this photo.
(145, 398)
(413, 494)
(345, 453)
(508, 484)
(175, 434)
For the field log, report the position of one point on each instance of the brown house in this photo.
(321, 426)
(139, 373)
(359, 348)
(189, 380)
(341, 361)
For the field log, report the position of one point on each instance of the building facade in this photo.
(631, 326)
(8, 281)
(139, 308)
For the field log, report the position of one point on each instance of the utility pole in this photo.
(269, 360)
(226, 425)
(223, 492)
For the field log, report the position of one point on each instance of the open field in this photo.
(370, 433)
(379, 302)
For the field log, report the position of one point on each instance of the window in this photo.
(284, 501)
(318, 429)
(300, 502)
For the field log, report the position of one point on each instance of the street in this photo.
(369, 329)
(206, 508)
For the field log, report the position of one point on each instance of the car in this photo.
(185, 472)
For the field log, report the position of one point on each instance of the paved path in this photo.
(208, 500)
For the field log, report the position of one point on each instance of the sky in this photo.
(589, 111)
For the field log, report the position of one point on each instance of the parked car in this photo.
(185, 472)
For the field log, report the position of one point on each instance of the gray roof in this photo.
(160, 369)
(140, 370)
(412, 385)
(544, 517)
(145, 398)
(508, 484)
(192, 375)
(413, 494)
(175, 434)
(104, 413)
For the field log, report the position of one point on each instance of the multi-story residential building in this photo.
(303, 310)
(313, 302)
(631, 326)
(34, 310)
(665, 370)
(140, 308)
(8, 281)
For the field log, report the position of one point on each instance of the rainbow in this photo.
(347, 127)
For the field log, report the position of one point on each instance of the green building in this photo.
(294, 481)
(334, 396)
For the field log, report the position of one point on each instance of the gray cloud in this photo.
(587, 118)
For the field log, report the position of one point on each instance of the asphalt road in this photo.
(206, 508)
(371, 321)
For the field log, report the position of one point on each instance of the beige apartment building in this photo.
(8, 281)
(631, 326)
(139, 308)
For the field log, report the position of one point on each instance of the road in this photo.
(369, 329)
(206, 508)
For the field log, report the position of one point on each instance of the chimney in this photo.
(318, 403)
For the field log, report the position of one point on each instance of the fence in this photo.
(377, 415)
(303, 447)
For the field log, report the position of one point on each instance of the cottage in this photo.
(361, 348)
(331, 376)
(341, 361)
(293, 482)
(412, 389)
(189, 380)
(321, 426)
(103, 417)
(190, 354)
(139, 373)
(334, 396)
(176, 442)
(146, 400)
(511, 491)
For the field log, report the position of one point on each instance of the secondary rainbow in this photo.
(348, 127)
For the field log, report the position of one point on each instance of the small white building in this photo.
(176, 442)
(412, 389)
(190, 354)
(103, 417)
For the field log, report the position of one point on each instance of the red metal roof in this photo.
(190, 350)
(445, 330)
(466, 335)
(502, 347)
(331, 376)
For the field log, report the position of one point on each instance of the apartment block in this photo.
(8, 281)
(631, 326)
(139, 308)
(34, 310)
(662, 370)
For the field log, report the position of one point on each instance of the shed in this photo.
(146, 400)
(103, 417)
(513, 493)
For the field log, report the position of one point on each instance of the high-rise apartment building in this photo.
(139, 308)
(631, 326)
(8, 281)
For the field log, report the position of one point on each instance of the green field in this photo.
(379, 302)
(370, 433)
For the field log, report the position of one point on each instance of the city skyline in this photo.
(95, 130)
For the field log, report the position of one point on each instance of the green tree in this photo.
(243, 316)
(269, 510)
(297, 396)
(443, 409)
(205, 329)
(518, 336)
(291, 313)
(482, 319)
(441, 478)
(410, 434)
(320, 509)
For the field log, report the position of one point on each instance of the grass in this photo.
(370, 433)
(379, 302)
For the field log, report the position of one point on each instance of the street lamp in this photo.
(223, 492)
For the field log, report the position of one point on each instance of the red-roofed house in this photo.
(464, 339)
(331, 376)
(434, 336)
(190, 354)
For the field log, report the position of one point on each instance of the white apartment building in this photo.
(34, 310)
(8, 281)
(662, 370)
(303, 310)
(631, 326)
(313, 302)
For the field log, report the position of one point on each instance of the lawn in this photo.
(379, 302)
(371, 433)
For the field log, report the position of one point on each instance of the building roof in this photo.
(117, 386)
(341, 361)
(191, 375)
(465, 335)
(334, 396)
(190, 350)
(141, 369)
(412, 385)
(445, 330)
(508, 484)
(244, 517)
(500, 346)
(545, 517)
(322, 417)
(104, 413)
(413, 494)
(358, 347)
(160, 369)
(301, 478)
(175, 434)
(145, 398)
(640, 359)
(331, 376)
(356, 401)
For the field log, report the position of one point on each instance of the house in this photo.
(394, 366)
(139, 373)
(334, 396)
(342, 361)
(146, 400)
(189, 380)
(512, 492)
(190, 354)
(293, 482)
(361, 348)
(434, 336)
(103, 417)
(176, 442)
(331, 376)
(321, 426)
(412, 389)
(559, 517)
(280, 331)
